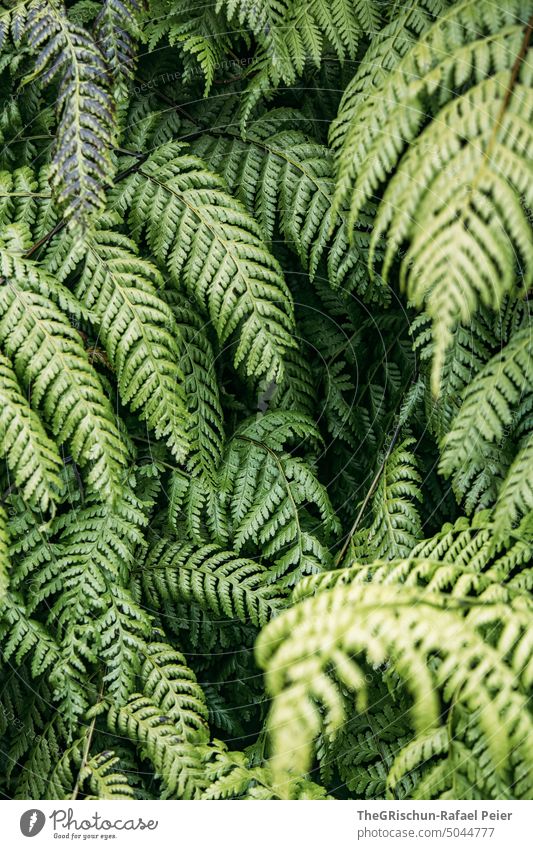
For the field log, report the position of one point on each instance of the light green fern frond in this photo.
(460, 192)
(323, 645)
(169, 682)
(171, 743)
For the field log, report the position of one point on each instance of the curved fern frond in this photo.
(136, 326)
(116, 30)
(176, 762)
(463, 208)
(386, 50)
(213, 249)
(48, 358)
(396, 524)
(31, 456)
(308, 668)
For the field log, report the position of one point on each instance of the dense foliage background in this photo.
(266, 399)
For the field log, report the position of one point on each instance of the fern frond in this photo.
(197, 30)
(116, 30)
(286, 179)
(396, 524)
(308, 666)
(171, 685)
(515, 498)
(291, 34)
(205, 419)
(213, 249)
(48, 357)
(175, 761)
(135, 325)
(30, 454)
(4, 554)
(232, 775)
(81, 167)
(217, 581)
(269, 492)
(489, 412)
(95, 615)
(463, 209)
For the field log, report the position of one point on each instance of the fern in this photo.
(389, 628)
(81, 165)
(48, 356)
(396, 524)
(218, 258)
(487, 410)
(266, 506)
(116, 30)
(135, 325)
(29, 452)
(217, 581)
(471, 192)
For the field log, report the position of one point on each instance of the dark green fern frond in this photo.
(4, 554)
(378, 623)
(233, 775)
(271, 494)
(116, 30)
(286, 180)
(176, 762)
(462, 209)
(30, 454)
(217, 581)
(396, 524)
(81, 166)
(205, 419)
(49, 359)
(213, 249)
(135, 325)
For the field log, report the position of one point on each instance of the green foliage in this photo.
(265, 532)
(447, 108)
(81, 165)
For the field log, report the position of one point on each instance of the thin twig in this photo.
(86, 748)
(369, 494)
